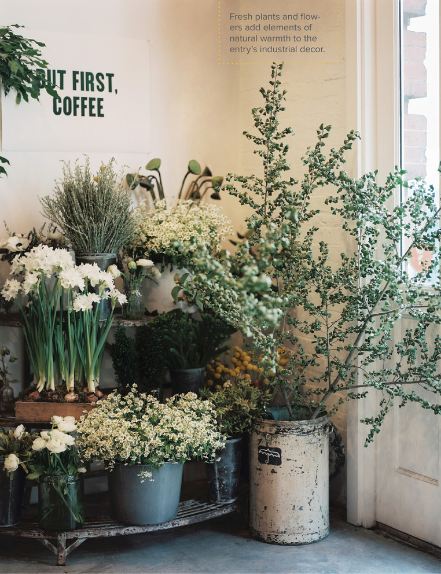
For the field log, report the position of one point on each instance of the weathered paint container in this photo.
(289, 481)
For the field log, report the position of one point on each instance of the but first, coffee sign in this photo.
(88, 89)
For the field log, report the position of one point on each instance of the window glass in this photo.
(420, 96)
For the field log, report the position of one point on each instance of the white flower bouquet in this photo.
(138, 429)
(55, 464)
(179, 231)
(15, 448)
(59, 303)
(54, 452)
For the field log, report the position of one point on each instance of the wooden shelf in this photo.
(14, 320)
(63, 543)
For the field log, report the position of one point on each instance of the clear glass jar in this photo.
(59, 502)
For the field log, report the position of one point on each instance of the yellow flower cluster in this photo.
(237, 365)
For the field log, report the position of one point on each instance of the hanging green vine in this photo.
(22, 70)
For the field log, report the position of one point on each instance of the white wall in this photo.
(199, 107)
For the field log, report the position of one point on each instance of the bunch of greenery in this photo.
(193, 341)
(92, 210)
(238, 404)
(15, 448)
(22, 69)
(142, 359)
(349, 309)
(197, 189)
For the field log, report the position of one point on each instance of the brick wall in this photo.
(414, 86)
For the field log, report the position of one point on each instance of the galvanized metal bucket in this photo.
(289, 481)
(140, 499)
(224, 473)
(11, 495)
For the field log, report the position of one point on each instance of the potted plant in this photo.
(15, 446)
(326, 328)
(93, 211)
(238, 404)
(200, 183)
(56, 466)
(171, 236)
(64, 335)
(144, 444)
(194, 339)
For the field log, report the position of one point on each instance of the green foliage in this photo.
(3, 160)
(22, 66)
(22, 69)
(238, 405)
(194, 341)
(92, 211)
(341, 316)
(157, 346)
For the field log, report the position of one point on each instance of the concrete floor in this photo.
(219, 547)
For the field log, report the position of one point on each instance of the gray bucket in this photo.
(224, 473)
(152, 501)
(11, 495)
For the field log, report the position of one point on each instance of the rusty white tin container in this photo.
(289, 481)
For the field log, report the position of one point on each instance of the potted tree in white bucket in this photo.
(326, 327)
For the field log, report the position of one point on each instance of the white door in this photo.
(408, 472)
(397, 481)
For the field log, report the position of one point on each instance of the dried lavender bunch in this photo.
(92, 210)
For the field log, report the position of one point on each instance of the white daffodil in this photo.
(114, 271)
(11, 289)
(118, 297)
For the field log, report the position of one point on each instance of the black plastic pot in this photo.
(11, 495)
(224, 474)
(187, 380)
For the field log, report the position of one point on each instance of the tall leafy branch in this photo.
(345, 323)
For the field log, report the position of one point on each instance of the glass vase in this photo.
(134, 309)
(59, 503)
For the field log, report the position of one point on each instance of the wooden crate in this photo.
(42, 412)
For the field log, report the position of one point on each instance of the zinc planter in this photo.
(59, 503)
(289, 481)
(224, 473)
(138, 500)
(187, 380)
(11, 495)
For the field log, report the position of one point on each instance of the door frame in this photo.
(373, 107)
